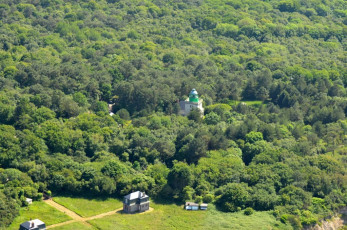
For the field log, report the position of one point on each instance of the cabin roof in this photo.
(29, 224)
(135, 195)
(191, 204)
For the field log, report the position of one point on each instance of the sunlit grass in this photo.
(39, 210)
(74, 226)
(172, 216)
(87, 207)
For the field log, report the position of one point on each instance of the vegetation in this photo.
(171, 216)
(272, 75)
(75, 226)
(89, 207)
(39, 210)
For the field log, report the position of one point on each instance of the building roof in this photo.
(203, 205)
(135, 195)
(191, 204)
(32, 224)
(193, 92)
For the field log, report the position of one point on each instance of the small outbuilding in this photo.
(33, 225)
(203, 206)
(191, 206)
(135, 202)
(28, 200)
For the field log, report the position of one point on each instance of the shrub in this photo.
(284, 218)
(198, 199)
(208, 198)
(248, 211)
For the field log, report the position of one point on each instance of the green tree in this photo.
(180, 176)
(233, 197)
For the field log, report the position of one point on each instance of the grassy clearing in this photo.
(255, 103)
(258, 220)
(87, 207)
(74, 226)
(167, 216)
(171, 216)
(249, 103)
(39, 210)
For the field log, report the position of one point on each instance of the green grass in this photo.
(258, 220)
(249, 103)
(255, 103)
(74, 226)
(39, 210)
(164, 216)
(171, 216)
(86, 207)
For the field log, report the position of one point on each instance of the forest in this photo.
(272, 75)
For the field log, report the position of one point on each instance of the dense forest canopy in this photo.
(272, 74)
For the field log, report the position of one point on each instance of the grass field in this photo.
(164, 216)
(171, 216)
(39, 210)
(249, 103)
(89, 207)
(74, 226)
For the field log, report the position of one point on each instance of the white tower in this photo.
(192, 102)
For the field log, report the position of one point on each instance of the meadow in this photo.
(38, 210)
(87, 207)
(163, 216)
(74, 226)
(172, 216)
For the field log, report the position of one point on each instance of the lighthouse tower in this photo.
(192, 102)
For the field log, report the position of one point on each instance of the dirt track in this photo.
(77, 218)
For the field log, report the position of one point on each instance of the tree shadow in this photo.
(167, 201)
(88, 196)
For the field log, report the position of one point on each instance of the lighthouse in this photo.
(192, 102)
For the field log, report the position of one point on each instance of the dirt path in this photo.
(103, 215)
(61, 224)
(77, 218)
(61, 208)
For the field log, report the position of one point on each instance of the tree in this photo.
(233, 197)
(9, 209)
(166, 149)
(253, 137)
(114, 169)
(251, 150)
(212, 118)
(180, 176)
(295, 196)
(288, 5)
(9, 145)
(195, 115)
(124, 114)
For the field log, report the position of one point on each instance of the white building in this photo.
(28, 200)
(135, 202)
(192, 102)
(33, 225)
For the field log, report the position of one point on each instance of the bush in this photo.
(284, 218)
(212, 118)
(248, 211)
(208, 198)
(198, 199)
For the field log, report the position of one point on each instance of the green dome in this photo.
(193, 96)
